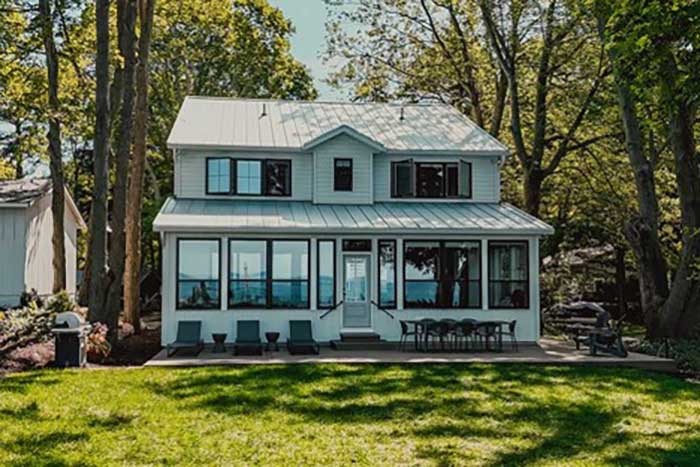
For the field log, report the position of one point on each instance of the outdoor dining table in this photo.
(419, 322)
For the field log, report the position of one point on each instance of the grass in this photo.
(335, 414)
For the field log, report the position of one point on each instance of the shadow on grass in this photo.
(551, 413)
(25, 381)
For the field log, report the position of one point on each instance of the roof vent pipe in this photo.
(264, 111)
(401, 118)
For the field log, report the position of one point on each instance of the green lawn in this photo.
(331, 414)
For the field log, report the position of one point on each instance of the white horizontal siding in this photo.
(13, 225)
(343, 147)
(485, 179)
(190, 173)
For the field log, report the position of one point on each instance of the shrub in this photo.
(98, 346)
(29, 297)
(60, 303)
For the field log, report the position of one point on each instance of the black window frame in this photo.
(414, 167)
(230, 176)
(379, 273)
(233, 177)
(269, 252)
(319, 306)
(440, 271)
(357, 245)
(177, 274)
(288, 189)
(339, 183)
(528, 302)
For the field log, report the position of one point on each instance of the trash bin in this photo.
(70, 332)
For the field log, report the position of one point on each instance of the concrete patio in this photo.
(548, 352)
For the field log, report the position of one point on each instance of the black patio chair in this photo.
(466, 330)
(188, 338)
(301, 339)
(248, 338)
(485, 333)
(425, 330)
(510, 333)
(406, 333)
(444, 329)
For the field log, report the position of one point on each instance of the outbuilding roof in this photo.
(295, 125)
(23, 191)
(243, 216)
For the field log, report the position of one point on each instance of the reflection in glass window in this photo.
(508, 275)
(218, 176)
(290, 274)
(247, 273)
(387, 273)
(249, 177)
(326, 273)
(198, 274)
(442, 274)
(278, 177)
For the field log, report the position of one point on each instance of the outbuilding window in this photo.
(387, 273)
(198, 268)
(342, 175)
(326, 273)
(218, 176)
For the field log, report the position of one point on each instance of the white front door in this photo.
(356, 287)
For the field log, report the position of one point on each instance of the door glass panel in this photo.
(355, 280)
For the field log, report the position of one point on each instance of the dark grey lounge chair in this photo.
(248, 338)
(301, 340)
(188, 338)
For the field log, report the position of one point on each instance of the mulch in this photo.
(134, 350)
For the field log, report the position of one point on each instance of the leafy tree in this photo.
(654, 47)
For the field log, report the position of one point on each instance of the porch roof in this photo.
(245, 216)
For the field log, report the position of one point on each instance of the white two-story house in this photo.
(350, 215)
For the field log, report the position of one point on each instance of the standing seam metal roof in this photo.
(290, 125)
(208, 215)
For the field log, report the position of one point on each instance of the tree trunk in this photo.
(126, 24)
(132, 276)
(642, 232)
(680, 315)
(532, 188)
(55, 155)
(620, 280)
(98, 220)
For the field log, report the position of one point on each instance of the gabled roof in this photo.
(22, 193)
(429, 218)
(213, 122)
(344, 130)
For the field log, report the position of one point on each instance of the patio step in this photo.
(363, 345)
(360, 337)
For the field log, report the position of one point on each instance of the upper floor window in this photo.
(342, 175)
(268, 177)
(249, 177)
(411, 179)
(218, 176)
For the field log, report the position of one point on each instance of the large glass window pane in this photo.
(421, 260)
(198, 274)
(218, 176)
(326, 273)
(508, 275)
(452, 180)
(278, 177)
(421, 294)
(387, 273)
(342, 175)
(248, 177)
(247, 273)
(290, 274)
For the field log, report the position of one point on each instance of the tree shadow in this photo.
(21, 383)
(39, 449)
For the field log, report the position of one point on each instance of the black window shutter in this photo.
(465, 179)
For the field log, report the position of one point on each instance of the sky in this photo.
(308, 42)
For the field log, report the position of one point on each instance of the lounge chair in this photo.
(248, 338)
(301, 340)
(188, 338)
